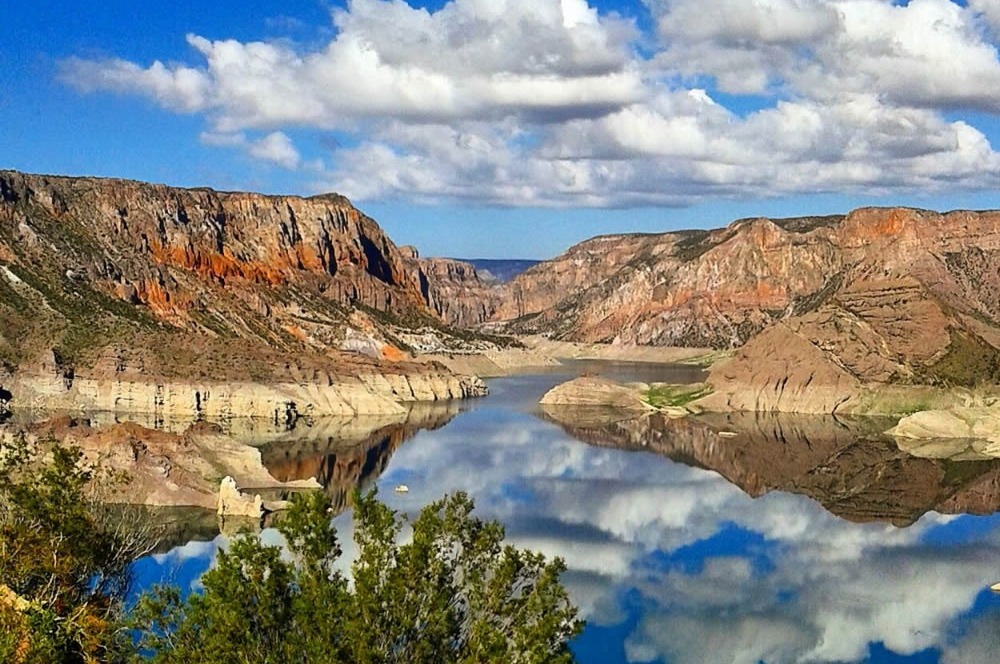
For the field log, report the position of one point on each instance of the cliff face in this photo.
(138, 287)
(451, 288)
(722, 287)
(693, 288)
(824, 306)
(202, 260)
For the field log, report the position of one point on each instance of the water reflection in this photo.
(344, 454)
(847, 465)
(684, 546)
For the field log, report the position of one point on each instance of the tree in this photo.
(455, 593)
(64, 567)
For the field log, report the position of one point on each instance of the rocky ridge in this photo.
(121, 295)
(824, 311)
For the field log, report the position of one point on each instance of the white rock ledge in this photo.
(373, 394)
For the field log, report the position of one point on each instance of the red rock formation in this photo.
(828, 305)
(88, 263)
(137, 290)
(722, 287)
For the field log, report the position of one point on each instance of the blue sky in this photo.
(514, 128)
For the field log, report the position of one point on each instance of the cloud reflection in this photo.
(685, 559)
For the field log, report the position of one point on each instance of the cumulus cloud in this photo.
(988, 9)
(175, 87)
(553, 103)
(276, 148)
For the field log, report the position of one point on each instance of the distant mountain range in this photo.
(113, 277)
(499, 269)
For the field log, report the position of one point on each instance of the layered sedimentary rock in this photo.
(719, 288)
(453, 289)
(823, 310)
(190, 302)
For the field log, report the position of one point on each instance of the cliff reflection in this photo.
(847, 465)
(344, 454)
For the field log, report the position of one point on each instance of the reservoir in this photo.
(785, 539)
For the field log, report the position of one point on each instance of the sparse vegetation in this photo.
(662, 395)
(64, 565)
(692, 245)
(708, 359)
(969, 362)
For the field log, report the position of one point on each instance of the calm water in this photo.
(784, 540)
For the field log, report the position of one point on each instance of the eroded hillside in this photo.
(114, 280)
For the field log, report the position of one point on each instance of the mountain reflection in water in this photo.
(344, 454)
(784, 543)
(847, 465)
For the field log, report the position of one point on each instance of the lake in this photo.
(780, 540)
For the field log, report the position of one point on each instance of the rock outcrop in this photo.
(452, 289)
(982, 422)
(291, 390)
(233, 502)
(150, 298)
(143, 466)
(595, 392)
(823, 311)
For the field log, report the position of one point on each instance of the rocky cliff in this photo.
(821, 308)
(121, 294)
(453, 289)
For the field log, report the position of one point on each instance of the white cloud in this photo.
(928, 53)
(988, 9)
(276, 148)
(551, 103)
(175, 87)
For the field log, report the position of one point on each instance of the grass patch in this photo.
(969, 362)
(662, 395)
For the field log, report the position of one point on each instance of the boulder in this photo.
(233, 502)
(595, 391)
(972, 422)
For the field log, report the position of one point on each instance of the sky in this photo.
(515, 128)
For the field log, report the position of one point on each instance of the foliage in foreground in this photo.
(455, 593)
(64, 563)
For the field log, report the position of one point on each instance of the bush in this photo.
(64, 570)
(455, 593)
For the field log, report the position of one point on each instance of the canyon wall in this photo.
(122, 295)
